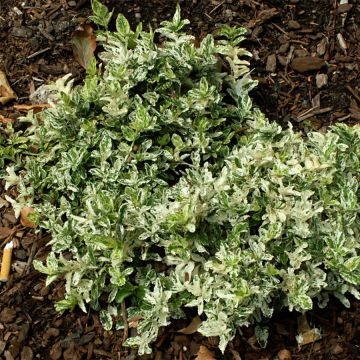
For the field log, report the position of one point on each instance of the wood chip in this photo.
(293, 25)
(341, 41)
(271, 63)
(262, 17)
(5, 232)
(322, 46)
(343, 8)
(307, 63)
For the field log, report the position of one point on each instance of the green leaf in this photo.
(122, 26)
(101, 13)
(177, 141)
(124, 292)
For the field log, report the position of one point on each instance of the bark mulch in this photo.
(306, 56)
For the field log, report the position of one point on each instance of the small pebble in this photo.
(72, 3)
(137, 16)
(321, 80)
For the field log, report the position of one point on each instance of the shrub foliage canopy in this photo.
(164, 186)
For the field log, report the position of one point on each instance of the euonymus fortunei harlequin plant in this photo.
(161, 158)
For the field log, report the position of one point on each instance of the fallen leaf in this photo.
(84, 44)
(204, 354)
(5, 120)
(3, 203)
(235, 354)
(35, 107)
(24, 220)
(6, 92)
(306, 335)
(192, 327)
(252, 341)
(134, 321)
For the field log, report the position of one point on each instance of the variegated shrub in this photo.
(160, 158)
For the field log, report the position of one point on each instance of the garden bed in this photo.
(35, 48)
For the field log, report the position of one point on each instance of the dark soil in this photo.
(35, 48)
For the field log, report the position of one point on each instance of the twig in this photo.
(311, 112)
(280, 29)
(54, 10)
(38, 52)
(356, 96)
(126, 325)
(216, 7)
(30, 259)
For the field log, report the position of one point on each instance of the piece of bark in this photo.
(293, 25)
(307, 63)
(271, 63)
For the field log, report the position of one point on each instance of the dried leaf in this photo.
(6, 92)
(35, 107)
(134, 322)
(235, 354)
(307, 335)
(252, 341)
(24, 213)
(192, 327)
(3, 203)
(84, 44)
(204, 354)
(5, 120)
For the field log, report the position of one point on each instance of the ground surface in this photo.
(311, 93)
